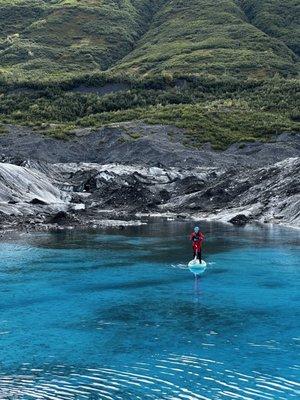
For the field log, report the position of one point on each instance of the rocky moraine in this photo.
(109, 177)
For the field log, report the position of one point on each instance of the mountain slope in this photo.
(65, 36)
(277, 18)
(226, 38)
(225, 71)
(209, 37)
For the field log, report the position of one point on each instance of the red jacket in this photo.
(197, 239)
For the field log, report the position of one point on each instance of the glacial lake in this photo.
(114, 314)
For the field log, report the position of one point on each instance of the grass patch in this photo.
(3, 129)
(135, 135)
(61, 132)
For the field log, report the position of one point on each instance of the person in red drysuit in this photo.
(197, 238)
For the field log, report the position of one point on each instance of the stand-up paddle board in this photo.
(196, 267)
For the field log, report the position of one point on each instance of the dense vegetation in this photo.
(208, 37)
(58, 37)
(226, 70)
(276, 18)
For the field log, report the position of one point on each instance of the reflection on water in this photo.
(114, 316)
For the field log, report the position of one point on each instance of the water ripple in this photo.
(173, 377)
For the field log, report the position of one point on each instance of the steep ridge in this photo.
(211, 38)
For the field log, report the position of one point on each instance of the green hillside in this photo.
(69, 35)
(247, 38)
(279, 19)
(209, 37)
(225, 70)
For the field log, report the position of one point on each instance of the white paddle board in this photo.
(196, 267)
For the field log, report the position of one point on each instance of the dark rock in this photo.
(76, 198)
(165, 195)
(38, 201)
(190, 184)
(13, 202)
(240, 220)
(61, 217)
(84, 180)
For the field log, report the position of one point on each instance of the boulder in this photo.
(240, 220)
(60, 218)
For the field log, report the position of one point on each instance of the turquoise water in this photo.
(115, 315)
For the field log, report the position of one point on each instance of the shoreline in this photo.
(140, 220)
